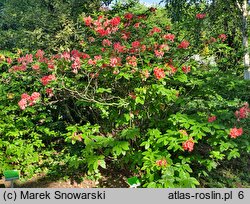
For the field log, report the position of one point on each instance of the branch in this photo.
(239, 6)
(85, 98)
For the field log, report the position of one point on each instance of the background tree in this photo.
(228, 17)
(243, 7)
(42, 24)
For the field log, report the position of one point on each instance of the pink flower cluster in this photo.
(137, 25)
(94, 61)
(27, 100)
(125, 35)
(106, 42)
(23, 61)
(49, 91)
(119, 48)
(132, 60)
(39, 54)
(136, 44)
(223, 37)
(28, 58)
(15, 68)
(88, 20)
(164, 47)
(188, 145)
(184, 44)
(171, 68)
(161, 162)
(103, 26)
(243, 112)
(128, 16)
(9, 60)
(46, 79)
(115, 61)
(211, 119)
(169, 37)
(212, 40)
(145, 73)
(159, 73)
(186, 69)
(155, 30)
(200, 15)
(74, 57)
(76, 65)
(234, 132)
(159, 53)
(132, 95)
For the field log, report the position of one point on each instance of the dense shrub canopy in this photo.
(131, 95)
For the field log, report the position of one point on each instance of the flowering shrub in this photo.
(131, 96)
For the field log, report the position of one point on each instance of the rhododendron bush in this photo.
(130, 97)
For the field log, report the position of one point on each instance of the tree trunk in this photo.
(245, 40)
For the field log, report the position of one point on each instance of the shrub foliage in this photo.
(132, 96)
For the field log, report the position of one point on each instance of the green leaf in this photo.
(130, 133)
(103, 90)
(120, 147)
(217, 155)
(181, 77)
(102, 163)
(206, 129)
(233, 154)
(140, 100)
(146, 144)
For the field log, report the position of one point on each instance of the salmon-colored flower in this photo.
(242, 112)
(49, 91)
(188, 145)
(159, 73)
(128, 16)
(22, 104)
(211, 119)
(223, 37)
(161, 162)
(159, 54)
(186, 69)
(169, 37)
(46, 79)
(200, 15)
(88, 20)
(234, 132)
(115, 21)
(184, 44)
(136, 44)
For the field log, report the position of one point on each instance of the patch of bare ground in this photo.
(109, 179)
